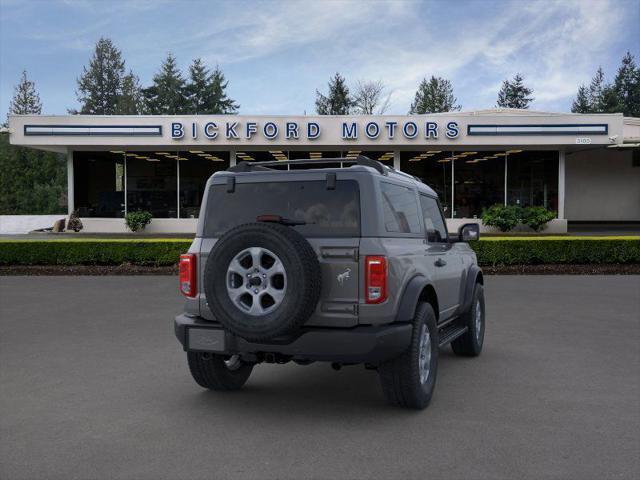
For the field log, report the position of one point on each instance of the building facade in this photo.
(583, 167)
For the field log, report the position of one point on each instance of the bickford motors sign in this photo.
(310, 130)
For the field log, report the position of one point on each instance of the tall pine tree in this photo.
(514, 94)
(31, 181)
(25, 99)
(627, 86)
(433, 96)
(130, 101)
(582, 103)
(338, 100)
(167, 94)
(206, 92)
(100, 85)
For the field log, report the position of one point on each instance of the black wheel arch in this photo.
(474, 275)
(419, 289)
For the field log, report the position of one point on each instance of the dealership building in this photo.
(586, 168)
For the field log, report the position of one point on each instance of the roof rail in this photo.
(261, 166)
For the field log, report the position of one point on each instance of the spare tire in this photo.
(262, 280)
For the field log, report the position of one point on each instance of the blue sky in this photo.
(276, 53)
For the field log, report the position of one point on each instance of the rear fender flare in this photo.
(474, 275)
(410, 298)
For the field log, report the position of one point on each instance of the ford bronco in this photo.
(346, 265)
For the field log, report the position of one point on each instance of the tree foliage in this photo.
(371, 98)
(433, 96)
(100, 85)
(623, 95)
(131, 100)
(514, 93)
(31, 181)
(338, 100)
(206, 91)
(167, 95)
(25, 99)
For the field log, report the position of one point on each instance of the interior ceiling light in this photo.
(162, 153)
(434, 151)
(141, 157)
(196, 151)
(500, 154)
(152, 160)
(116, 151)
(131, 154)
(514, 151)
(444, 160)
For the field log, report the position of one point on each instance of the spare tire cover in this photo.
(262, 280)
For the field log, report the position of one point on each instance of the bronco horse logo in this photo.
(344, 276)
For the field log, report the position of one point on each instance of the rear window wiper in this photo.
(281, 220)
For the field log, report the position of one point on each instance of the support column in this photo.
(506, 165)
(396, 159)
(232, 158)
(561, 178)
(70, 183)
(453, 183)
(177, 188)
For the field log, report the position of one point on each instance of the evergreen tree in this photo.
(627, 86)
(596, 91)
(25, 99)
(167, 95)
(218, 100)
(433, 96)
(514, 94)
(581, 104)
(206, 92)
(130, 101)
(338, 101)
(99, 86)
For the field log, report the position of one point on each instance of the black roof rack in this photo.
(359, 160)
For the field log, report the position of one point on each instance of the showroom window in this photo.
(99, 184)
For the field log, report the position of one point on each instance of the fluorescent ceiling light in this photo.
(162, 153)
(196, 151)
(514, 151)
(434, 151)
(152, 160)
(116, 151)
(444, 160)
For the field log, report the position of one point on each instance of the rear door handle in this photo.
(439, 263)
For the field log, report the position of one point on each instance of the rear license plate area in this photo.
(205, 339)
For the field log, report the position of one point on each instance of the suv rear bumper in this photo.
(362, 344)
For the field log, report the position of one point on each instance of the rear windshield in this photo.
(327, 213)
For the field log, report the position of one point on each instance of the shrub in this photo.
(536, 217)
(92, 252)
(564, 250)
(137, 220)
(159, 252)
(503, 217)
(74, 223)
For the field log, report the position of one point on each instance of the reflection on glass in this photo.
(99, 184)
(152, 184)
(479, 182)
(532, 179)
(433, 167)
(195, 169)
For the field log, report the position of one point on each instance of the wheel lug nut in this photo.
(264, 275)
(255, 291)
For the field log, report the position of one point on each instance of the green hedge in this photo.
(568, 250)
(490, 250)
(92, 252)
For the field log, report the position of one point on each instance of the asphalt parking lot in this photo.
(93, 384)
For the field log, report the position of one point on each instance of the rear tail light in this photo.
(188, 275)
(375, 279)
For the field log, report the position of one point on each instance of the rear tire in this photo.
(409, 380)
(210, 371)
(470, 344)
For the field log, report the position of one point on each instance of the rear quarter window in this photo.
(327, 213)
(400, 209)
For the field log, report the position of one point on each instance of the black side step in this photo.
(449, 333)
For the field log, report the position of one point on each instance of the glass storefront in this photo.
(99, 184)
(479, 178)
(170, 184)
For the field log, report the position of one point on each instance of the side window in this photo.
(433, 221)
(400, 209)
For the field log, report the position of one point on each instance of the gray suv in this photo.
(342, 265)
